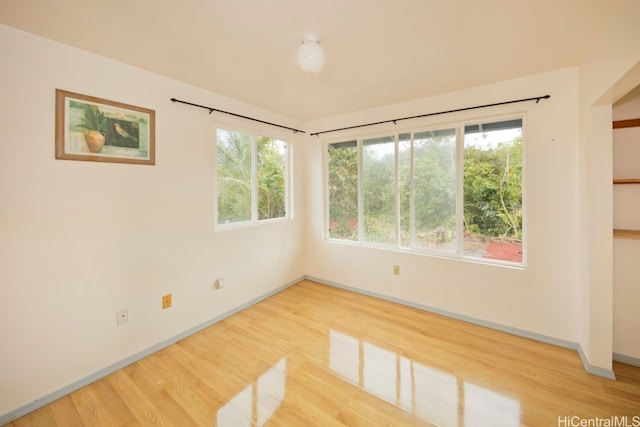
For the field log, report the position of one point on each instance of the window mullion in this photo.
(460, 191)
(327, 191)
(254, 178)
(397, 187)
(360, 193)
(288, 181)
(411, 194)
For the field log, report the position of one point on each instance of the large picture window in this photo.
(252, 178)
(455, 191)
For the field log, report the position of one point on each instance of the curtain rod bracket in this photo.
(543, 97)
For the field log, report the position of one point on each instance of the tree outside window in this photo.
(403, 190)
(252, 177)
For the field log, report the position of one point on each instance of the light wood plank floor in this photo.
(314, 355)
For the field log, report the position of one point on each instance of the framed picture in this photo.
(98, 130)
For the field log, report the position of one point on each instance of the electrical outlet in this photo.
(122, 317)
(166, 301)
(396, 270)
(218, 284)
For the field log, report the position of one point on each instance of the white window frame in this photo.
(396, 131)
(256, 132)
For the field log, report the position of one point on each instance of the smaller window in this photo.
(252, 178)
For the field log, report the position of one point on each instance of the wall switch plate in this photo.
(166, 301)
(122, 317)
(218, 284)
(396, 270)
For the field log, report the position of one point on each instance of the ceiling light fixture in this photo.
(310, 54)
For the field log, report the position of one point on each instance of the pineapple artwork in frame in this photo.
(99, 130)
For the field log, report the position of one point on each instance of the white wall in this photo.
(81, 240)
(544, 297)
(610, 70)
(626, 215)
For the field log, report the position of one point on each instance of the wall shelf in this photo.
(619, 233)
(619, 124)
(627, 181)
(626, 234)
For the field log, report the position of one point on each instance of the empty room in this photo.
(330, 213)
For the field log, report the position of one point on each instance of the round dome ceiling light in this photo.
(310, 54)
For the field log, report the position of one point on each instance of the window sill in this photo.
(430, 253)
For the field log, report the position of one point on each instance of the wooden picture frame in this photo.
(98, 130)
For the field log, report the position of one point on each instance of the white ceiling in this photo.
(378, 51)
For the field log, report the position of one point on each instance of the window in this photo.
(493, 190)
(455, 191)
(252, 178)
(343, 190)
(378, 190)
(433, 192)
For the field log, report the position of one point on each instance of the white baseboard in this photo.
(595, 370)
(45, 400)
(627, 360)
(38, 403)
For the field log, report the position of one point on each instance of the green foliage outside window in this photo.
(237, 178)
(343, 191)
(493, 190)
(414, 199)
(434, 188)
(234, 177)
(379, 190)
(271, 178)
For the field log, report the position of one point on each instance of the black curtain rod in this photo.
(536, 98)
(211, 110)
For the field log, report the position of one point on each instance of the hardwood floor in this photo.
(314, 355)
